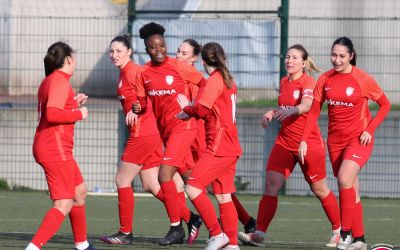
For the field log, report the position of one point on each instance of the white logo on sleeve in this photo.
(349, 91)
(167, 158)
(312, 177)
(169, 79)
(357, 156)
(147, 81)
(296, 94)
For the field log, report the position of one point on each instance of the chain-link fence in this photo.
(252, 45)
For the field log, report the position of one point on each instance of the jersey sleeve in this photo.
(139, 86)
(130, 93)
(308, 88)
(212, 90)
(189, 73)
(58, 93)
(318, 93)
(371, 89)
(57, 97)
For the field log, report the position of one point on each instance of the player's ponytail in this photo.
(310, 65)
(213, 55)
(345, 41)
(55, 57)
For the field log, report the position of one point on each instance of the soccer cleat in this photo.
(231, 248)
(344, 241)
(253, 239)
(90, 247)
(358, 245)
(193, 225)
(250, 227)
(333, 241)
(175, 235)
(118, 239)
(217, 242)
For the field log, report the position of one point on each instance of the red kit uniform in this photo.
(347, 96)
(54, 137)
(144, 146)
(162, 83)
(218, 164)
(284, 154)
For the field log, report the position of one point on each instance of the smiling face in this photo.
(294, 63)
(185, 53)
(119, 54)
(340, 58)
(156, 48)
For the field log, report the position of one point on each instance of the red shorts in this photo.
(283, 161)
(353, 151)
(62, 178)
(145, 151)
(217, 170)
(177, 149)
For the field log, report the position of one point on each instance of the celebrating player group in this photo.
(183, 139)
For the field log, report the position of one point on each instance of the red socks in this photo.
(77, 217)
(266, 211)
(347, 199)
(331, 208)
(207, 212)
(357, 228)
(126, 204)
(183, 209)
(229, 221)
(243, 216)
(170, 201)
(50, 225)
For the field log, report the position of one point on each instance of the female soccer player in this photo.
(295, 99)
(59, 109)
(189, 51)
(143, 150)
(161, 80)
(217, 165)
(347, 90)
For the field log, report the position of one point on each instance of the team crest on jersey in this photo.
(120, 84)
(169, 79)
(296, 94)
(349, 91)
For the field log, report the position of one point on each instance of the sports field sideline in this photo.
(300, 222)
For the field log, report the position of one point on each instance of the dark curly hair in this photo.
(150, 29)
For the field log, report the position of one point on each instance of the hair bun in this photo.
(150, 29)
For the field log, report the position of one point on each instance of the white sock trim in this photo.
(82, 245)
(32, 246)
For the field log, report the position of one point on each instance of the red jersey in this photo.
(162, 83)
(291, 131)
(221, 132)
(347, 96)
(54, 137)
(128, 79)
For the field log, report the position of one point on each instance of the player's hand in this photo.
(281, 114)
(365, 138)
(302, 151)
(136, 108)
(131, 118)
(81, 98)
(84, 112)
(182, 116)
(267, 118)
(182, 101)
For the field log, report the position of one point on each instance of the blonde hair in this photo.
(310, 67)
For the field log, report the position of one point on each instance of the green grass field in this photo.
(300, 222)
